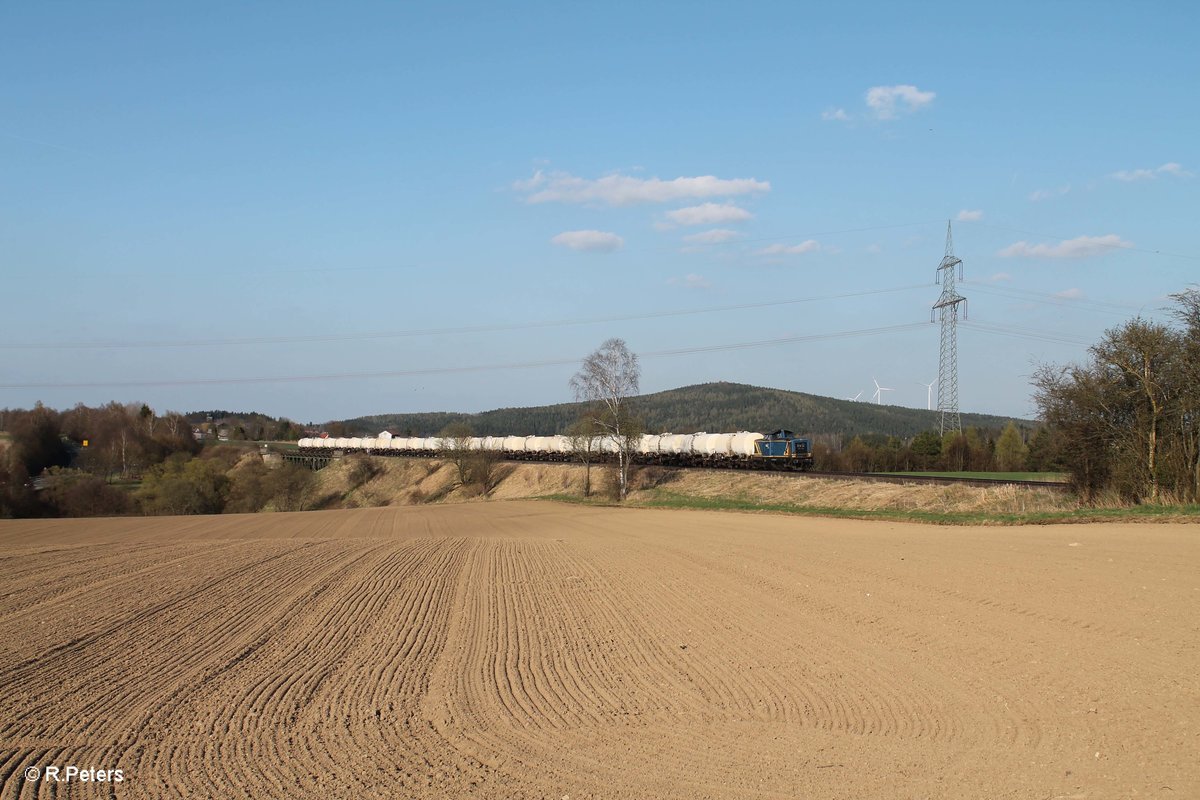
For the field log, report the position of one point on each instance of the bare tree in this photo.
(483, 469)
(1138, 356)
(1128, 418)
(585, 446)
(608, 380)
(456, 444)
(1187, 407)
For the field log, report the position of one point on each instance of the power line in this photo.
(890, 329)
(1057, 300)
(1026, 333)
(347, 337)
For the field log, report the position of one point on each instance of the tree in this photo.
(607, 381)
(583, 436)
(292, 487)
(1128, 417)
(1011, 450)
(147, 418)
(858, 455)
(75, 493)
(1136, 359)
(37, 440)
(927, 448)
(483, 469)
(185, 485)
(1185, 423)
(1069, 400)
(456, 444)
(249, 487)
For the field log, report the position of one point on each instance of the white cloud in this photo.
(835, 115)
(967, 215)
(1170, 168)
(593, 241)
(691, 281)
(715, 236)
(1046, 194)
(807, 246)
(886, 102)
(1079, 247)
(624, 190)
(708, 214)
(1070, 294)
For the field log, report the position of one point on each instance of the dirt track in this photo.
(534, 650)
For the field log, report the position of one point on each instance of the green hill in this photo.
(715, 407)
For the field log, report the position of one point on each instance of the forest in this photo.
(712, 407)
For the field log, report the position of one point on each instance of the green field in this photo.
(1057, 477)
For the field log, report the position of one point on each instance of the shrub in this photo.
(362, 469)
(75, 493)
(185, 485)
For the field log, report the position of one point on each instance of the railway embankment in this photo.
(357, 483)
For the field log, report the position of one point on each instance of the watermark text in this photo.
(74, 774)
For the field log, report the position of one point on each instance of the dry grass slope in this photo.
(418, 481)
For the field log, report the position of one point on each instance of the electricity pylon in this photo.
(947, 311)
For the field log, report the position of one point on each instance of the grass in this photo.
(664, 499)
(1058, 477)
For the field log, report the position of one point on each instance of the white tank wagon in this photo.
(648, 446)
(716, 445)
(539, 444)
(743, 444)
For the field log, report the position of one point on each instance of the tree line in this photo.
(1011, 449)
(1126, 421)
(126, 459)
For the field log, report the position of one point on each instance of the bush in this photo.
(75, 493)
(483, 470)
(185, 485)
(249, 488)
(254, 486)
(291, 487)
(362, 469)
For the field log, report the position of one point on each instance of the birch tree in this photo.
(608, 381)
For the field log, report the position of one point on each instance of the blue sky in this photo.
(195, 198)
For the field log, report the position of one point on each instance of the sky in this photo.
(325, 211)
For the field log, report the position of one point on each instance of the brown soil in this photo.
(528, 650)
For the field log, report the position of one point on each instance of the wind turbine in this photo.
(852, 399)
(878, 390)
(929, 399)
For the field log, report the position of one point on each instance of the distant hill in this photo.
(703, 407)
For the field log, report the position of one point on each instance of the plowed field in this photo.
(531, 650)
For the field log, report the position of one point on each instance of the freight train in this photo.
(781, 449)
